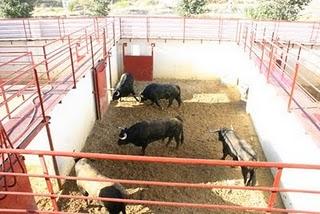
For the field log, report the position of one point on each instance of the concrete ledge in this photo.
(284, 139)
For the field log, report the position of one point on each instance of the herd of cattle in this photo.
(143, 133)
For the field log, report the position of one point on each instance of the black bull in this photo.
(145, 132)
(156, 92)
(124, 87)
(239, 150)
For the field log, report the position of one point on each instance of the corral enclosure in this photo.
(207, 104)
(214, 75)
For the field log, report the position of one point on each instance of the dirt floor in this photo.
(206, 105)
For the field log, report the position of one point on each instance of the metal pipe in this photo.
(72, 69)
(48, 182)
(276, 183)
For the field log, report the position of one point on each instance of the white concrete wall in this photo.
(284, 139)
(189, 60)
(70, 124)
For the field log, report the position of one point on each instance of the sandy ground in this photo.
(207, 105)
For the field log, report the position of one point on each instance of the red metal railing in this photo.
(287, 65)
(58, 65)
(273, 190)
(152, 27)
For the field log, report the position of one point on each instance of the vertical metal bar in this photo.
(48, 182)
(239, 36)
(109, 65)
(92, 57)
(30, 32)
(95, 86)
(293, 85)
(124, 56)
(104, 48)
(270, 63)
(262, 55)
(294, 81)
(147, 25)
(219, 28)
(251, 41)
(55, 165)
(5, 101)
(72, 69)
(46, 61)
(25, 30)
(59, 28)
(63, 27)
(120, 26)
(286, 58)
(114, 33)
(311, 35)
(245, 40)
(86, 35)
(98, 31)
(236, 37)
(184, 29)
(276, 183)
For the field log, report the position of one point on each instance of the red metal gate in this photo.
(141, 67)
(100, 88)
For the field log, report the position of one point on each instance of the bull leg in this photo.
(123, 209)
(223, 156)
(177, 139)
(157, 103)
(169, 141)
(252, 179)
(170, 102)
(225, 153)
(245, 172)
(143, 151)
(134, 95)
(179, 100)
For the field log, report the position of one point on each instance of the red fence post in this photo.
(45, 120)
(270, 63)
(293, 84)
(262, 55)
(25, 30)
(239, 34)
(251, 42)
(48, 182)
(46, 61)
(104, 48)
(59, 28)
(72, 69)
(5, 101)
(86, 35)
(274, 192)
(95, 86)
(147, 28)
(245, 40)
(114, 33)
(184, 29)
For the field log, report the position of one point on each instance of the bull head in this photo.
(124, 136)
(116, 95)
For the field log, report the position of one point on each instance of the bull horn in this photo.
(231, 127)
(117, 93)
(214, 131)
(120, 127)
(124, 136)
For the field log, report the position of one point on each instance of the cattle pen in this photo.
(260, 77)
